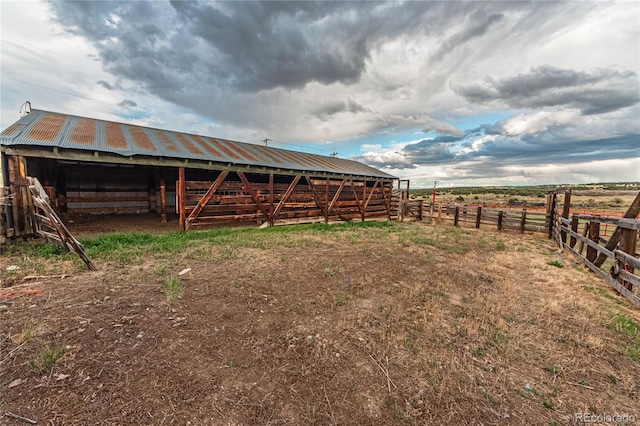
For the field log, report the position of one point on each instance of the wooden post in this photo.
(163, 201)
(574, 228)
(181, 191)
(271, 196)
(523, 220)
(421, 207)
(456, 215)
(628, 243)
(478, 217)
(440, 212)
(326, 203)
(500, 216)
(551, 213)
(594, 235)
(585, 232)
(565, 212)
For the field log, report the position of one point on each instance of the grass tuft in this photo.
(173, 288)
(45, 361)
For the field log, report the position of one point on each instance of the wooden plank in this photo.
(629, 278)
(594, 245)
(478, 217)
(373, 190)
(254, 195)
(608, 279)
(206, 197)
(316, 197)
(335, 197)
(626, 258)
(628, 245)
(630, 224)
(594, 235)
(523, 220)
(565, 213)
(500, 219)
(355, 195)
(600, 219)
(285, 196)
(456, 216)
(631, 213)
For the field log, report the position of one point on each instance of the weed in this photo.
(548, 405)
(410, 344)
(173, 288)
(30, 329)
(327, 269)
(160, 270)
(341, 299)
(555, 263)
(500, 245)
(626, 325)
(556, 371)
(283, 258)
(50, 354)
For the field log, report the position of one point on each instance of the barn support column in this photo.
(271, 195)
(181, 198)
(6, 195)
(163, 200)
(326, 202)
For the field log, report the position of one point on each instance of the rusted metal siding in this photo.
(43, 128)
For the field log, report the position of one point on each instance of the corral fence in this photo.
(613, 259)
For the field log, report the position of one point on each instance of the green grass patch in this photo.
(47, 358)
(555, 263)
(500, 245)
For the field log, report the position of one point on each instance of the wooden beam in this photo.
(163, 200)
(373, 190)
(628, 245)
(386, 193)
(181, 199)
(478, 217)
(206, 197)
(285, 196)
(594, 235)
(355, 195)
(254, 195)
(335, 197)
(565, 212)
(631, 213)
(271, 195)
(315, 195)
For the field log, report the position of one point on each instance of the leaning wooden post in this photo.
(628, 243)
(456, 214)
(565, 212)
(574, 228)
(523, 221)
(594, 235)
(182, 199)
(478, 217)
(163, 201)
(500, 217)
(551, 213)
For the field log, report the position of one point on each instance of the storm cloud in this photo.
(592, 92)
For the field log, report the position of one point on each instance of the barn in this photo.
(90, 166)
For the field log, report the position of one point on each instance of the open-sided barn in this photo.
(99, 167)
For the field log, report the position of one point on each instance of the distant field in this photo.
(604, 198)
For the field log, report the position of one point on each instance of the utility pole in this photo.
(266, 141)
(333, 154)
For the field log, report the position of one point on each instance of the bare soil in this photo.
(413, 324)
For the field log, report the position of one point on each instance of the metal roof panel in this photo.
(44, 128)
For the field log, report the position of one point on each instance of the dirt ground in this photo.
(407, 324)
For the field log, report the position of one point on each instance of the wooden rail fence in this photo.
(615, 262)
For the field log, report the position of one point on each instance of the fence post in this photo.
(574, 228)
(628, 245)
(594, 235)
(565, 212)
(440, 212)
(500, 216)
(523, 220)
(420, 213)
(455, 215)
(478, 217)
(551, 212)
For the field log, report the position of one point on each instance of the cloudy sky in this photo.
(474, 93)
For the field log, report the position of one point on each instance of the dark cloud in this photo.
(327, 109)
(596, 92)
(127, 103)
(477, 26)
(105, 85)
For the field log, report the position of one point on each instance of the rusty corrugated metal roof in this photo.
(44, 128)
